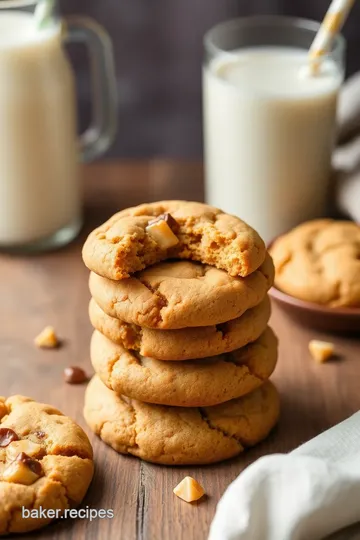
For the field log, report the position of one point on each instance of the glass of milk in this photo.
(40, 193)
(269, 127)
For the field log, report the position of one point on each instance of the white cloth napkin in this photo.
(305, 495)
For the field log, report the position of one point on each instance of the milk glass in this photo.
(40, 192)
(269, 127)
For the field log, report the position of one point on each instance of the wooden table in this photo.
(52, 289)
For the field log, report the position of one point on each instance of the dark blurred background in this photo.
(158, 52)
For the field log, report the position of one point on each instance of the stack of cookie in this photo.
(181, 348)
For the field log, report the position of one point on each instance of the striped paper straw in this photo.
(330, 27)
(44, 12)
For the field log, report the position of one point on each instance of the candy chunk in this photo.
(75, 375)
(28, 447)
(47, 339)
(7, 436)
(321, 351)
(189, 490)
(162, 233)
(169, 220)
(23, 470)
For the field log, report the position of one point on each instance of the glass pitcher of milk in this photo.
(268, 127)
(40, 193)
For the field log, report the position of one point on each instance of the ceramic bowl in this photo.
(328, 319)
(317, 316)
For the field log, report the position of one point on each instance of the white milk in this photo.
(268, 136)
(39, 186)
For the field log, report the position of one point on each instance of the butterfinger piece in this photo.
(321, 351)
(169, 220)
(7, 436)
(24, 446)
(23, 470)
(162, 234)
(47, 339)
(189, 490)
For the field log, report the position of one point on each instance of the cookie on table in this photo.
(319, 261)
(181, 294)
(130, 240)
(46, 460)
(194, 383)
(186, 343)
(176, 435)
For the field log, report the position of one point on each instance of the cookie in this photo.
(196, 383)
(125, 244)
(46, 460)
(181, 294)
(186, 343)
(319, 261)
(178, 436)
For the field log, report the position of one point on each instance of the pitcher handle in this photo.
(101, 132)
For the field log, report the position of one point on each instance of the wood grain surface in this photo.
(52, 289)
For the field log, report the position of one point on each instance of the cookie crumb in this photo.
(189, 490)
(321, 351)
(74, 375)
(47, 339)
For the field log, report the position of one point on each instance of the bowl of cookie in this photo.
(317, 274)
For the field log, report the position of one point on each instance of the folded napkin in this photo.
(305, 495)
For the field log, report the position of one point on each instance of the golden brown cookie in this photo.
(194, 383)
(181, 294)
(319, 261)
(186, 343)
(123, 245)
(46, 461)
(178, 436)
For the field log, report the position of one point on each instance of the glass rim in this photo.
(9, 4)
(281, 20)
